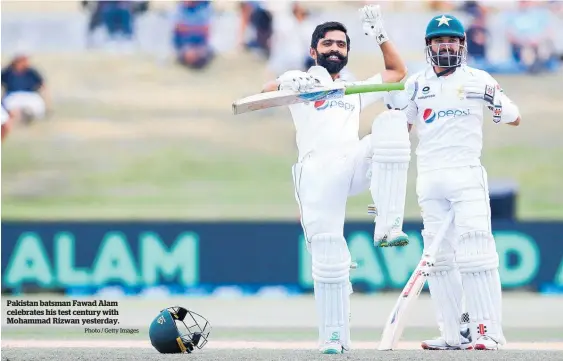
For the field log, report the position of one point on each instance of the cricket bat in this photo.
(288, 97)
(396, 321)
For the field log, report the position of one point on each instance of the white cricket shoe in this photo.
(332, 347)
(395, 238)
(486, 343)
(440, 344)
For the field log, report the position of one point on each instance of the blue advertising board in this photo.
(65, 255)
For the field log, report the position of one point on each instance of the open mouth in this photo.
(334, 58)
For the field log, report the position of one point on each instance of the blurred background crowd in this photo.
(276, 31)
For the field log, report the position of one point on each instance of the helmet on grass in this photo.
(177, 330)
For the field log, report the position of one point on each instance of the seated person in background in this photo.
(531, 36)
(191, 34)
(260, 19)
(23, 89)
(477, 33)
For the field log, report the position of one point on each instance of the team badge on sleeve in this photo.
(489, 94)
(497, 113)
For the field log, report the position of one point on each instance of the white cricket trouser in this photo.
(323, 183)
(29, 101)
(472, 276)
(465, 189)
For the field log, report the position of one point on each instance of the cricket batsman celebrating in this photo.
(445, 104)
(334, 164)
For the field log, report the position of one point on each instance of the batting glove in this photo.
(397, 99)
(297, 81)
(489, 93)
(372, 23)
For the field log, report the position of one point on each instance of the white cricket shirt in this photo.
(449, 127)
(328, 127)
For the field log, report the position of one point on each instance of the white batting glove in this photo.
(372, 23)
(297, 81)
(397, 99)
(489, 93)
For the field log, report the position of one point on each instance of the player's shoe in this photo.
(332, 346)
(486, 343)
(393, 239)
(440, 344)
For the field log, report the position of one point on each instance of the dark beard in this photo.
(333, 67)
(446, 60)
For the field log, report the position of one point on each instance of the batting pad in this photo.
(390, 164)
(478, 263)
(446, 291)
(331, 275)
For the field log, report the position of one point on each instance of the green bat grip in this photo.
(367, 88)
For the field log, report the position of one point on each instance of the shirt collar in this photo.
(430, 74)
(345, 76)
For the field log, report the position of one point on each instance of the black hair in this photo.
(322, 29)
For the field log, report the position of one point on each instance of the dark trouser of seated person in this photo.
(196, 57)
(261, 19)
(477, 37)
(192, 46)
(117, 17)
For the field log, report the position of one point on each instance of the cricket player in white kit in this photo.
(445, 104)
(334, 164)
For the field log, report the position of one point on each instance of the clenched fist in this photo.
(488, 92)
(372, 23)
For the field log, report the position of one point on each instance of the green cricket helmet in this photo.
(177, 330)
(445, 55)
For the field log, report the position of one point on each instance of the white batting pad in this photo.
(390, 164)
(446, 291)
(331, 275)
(478, 263)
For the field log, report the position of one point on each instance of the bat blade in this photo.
(285, 97)
(396, 321)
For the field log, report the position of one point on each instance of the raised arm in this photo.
(395, 68)
(372, 24)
